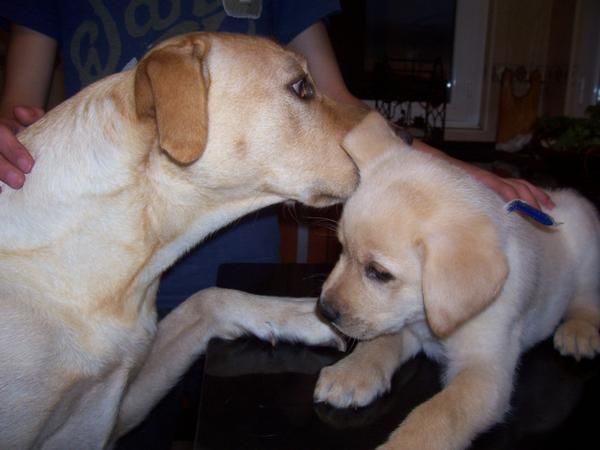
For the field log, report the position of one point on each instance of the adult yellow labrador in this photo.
(432, 262)
(131, 173)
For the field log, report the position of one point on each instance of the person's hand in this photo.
(507, 188)
(15, 160)
(513, 188)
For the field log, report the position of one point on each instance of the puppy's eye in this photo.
(303, 89)
(376, 273)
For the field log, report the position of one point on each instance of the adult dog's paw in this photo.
(297, 321)
(577, 338)
(351, 383)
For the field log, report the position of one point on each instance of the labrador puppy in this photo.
(131, 173)
(433, 263)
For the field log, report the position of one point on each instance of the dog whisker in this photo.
(316, 276)
(291, 211)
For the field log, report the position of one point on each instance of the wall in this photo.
(560, 38)
(584, 78)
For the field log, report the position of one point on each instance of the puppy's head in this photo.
(246, 113)
(414, 249)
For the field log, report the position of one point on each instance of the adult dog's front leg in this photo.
(216, 313)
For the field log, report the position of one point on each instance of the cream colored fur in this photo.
(129, 174)
(433, 263)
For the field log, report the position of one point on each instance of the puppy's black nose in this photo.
(327, 311)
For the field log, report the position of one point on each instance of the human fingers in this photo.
(512, 189)
(507, 189)
(532, 194)
(26, 115)
(15, 160)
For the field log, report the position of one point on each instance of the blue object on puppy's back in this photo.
(525, 209)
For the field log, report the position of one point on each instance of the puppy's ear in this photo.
(464, 270)
(369, 139)
(171, 88)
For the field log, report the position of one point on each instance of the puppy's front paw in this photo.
(577, 338)
(351, 383)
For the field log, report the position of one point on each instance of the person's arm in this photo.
(28, 73)
(507, 188)
(314, 44)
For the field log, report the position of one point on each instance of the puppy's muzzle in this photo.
(326, 310)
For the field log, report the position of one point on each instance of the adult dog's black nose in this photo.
(327, 311)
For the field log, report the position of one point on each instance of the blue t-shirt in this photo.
(100, 37)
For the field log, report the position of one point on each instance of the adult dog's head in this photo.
(242, 117)
(417, 245)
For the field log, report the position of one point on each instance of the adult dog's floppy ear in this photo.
(464, 270)
(171, 88)
(369, 139)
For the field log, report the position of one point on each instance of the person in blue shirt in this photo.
(98, 37)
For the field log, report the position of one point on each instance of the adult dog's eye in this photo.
(303, 89)
(376, 273)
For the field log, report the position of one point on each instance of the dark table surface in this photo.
(255, 396)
